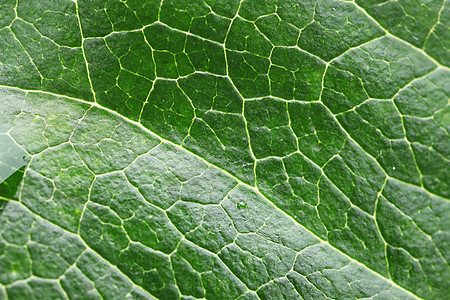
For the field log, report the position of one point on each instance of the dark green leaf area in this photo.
(10, 186)
(249, 73)
(425, 128)
(178, 54)
(279, 32)
(395, 156)
(383, 72)
(269, 130)
(428, 250)
(42, 60)
(337, 27)
(209, 19)
(8, 13)
(121, 72)
(319, 135)
(100, 18)
(295, 74)
(420, 213)
(297, 14)
(211, 93)
(46, 46)
(342, 90)
(244, 36)
(421, 25)
(60, 24)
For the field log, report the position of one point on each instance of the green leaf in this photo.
(251, 149)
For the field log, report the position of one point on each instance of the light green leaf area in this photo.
(206, 149)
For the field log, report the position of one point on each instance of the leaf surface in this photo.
(224, 149)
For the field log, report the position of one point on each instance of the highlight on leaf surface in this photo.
(205, 149)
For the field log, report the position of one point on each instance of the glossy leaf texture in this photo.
(205, 149)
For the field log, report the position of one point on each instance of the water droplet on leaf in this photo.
(241, 205)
